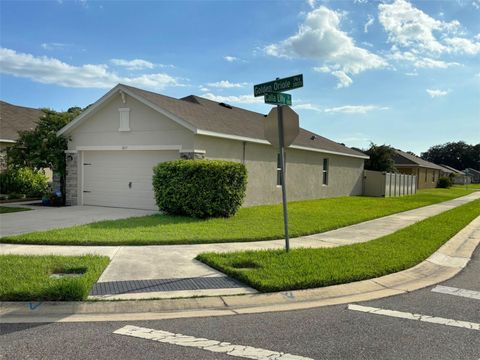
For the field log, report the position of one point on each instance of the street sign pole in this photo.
(282, 175)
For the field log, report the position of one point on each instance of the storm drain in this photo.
(141, 286)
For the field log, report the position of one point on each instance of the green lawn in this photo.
(27, 278)
(7, 209)
(249, 224)
(276, 270)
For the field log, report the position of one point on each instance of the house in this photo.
(458, 177)
(474, 175)
(427, 173)
(13, 119)
(115, 143)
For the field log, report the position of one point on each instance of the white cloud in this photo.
(411, 73)
(368, 23)
(54, 46)
(312, 3)
(476, 4)
(437, 93)
(355, 109)
(241, 99)
(48, 70)
(343, 79)
(306, 106)
(419, 61)
(231, 58)
(225, 84)
(135, 64)
(410, 28)
(462, 45)
(320, 38)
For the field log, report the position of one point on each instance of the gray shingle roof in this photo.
(16, 118)
(208, 115)
(403, 158)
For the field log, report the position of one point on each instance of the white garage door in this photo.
(121, 178)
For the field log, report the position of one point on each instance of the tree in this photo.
(41, 148)
(458, 155)
(381, 158)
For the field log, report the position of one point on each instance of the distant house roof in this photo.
(15, 118)
(458, 172)
(403, 159)
(207, 117)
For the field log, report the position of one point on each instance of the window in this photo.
(426, 174)
(433, 175)
(124, 119)
(325, 172)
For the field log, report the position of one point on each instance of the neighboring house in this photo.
(459, 177)
(427, 173)
(474, 175)
(116, 142)
(13, 119)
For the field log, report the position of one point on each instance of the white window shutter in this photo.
(124, 119)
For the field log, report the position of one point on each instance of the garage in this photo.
(121, 178)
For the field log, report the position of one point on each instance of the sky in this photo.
(396, 72)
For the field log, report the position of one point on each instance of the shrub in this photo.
(23, 181)
(200, 188)
(444, 182)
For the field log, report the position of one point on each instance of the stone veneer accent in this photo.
(71, 180)
(192, 155)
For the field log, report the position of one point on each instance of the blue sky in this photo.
(401, 73)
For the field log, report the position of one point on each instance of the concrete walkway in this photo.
(130, 263)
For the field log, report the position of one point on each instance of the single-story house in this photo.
(474, 175)
(427, 173)
(13, 119)
(458, 177)
(116, 142)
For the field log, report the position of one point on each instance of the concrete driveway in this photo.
(45, 218)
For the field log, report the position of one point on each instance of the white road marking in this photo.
(418, 317)
(457, 292)
(205, 344)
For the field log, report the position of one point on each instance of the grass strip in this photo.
(8, 209)
(249, 224)
(27, 278)
(276, 270)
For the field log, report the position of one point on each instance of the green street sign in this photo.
(278, 99)
(292, 82)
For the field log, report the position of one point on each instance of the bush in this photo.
(444, 182)
(23, 181)
(200, 188)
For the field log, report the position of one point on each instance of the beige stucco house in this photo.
(427, 172)
(115, 143)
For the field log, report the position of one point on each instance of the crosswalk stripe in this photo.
(412, 316)
(227, 348)
(457, 292)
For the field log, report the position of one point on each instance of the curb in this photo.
(442, 265)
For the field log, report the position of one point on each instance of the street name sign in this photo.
(290, 126)
(278, 99)
(279, 85)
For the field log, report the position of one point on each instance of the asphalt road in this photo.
(333, 332)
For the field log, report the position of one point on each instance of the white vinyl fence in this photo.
(376, 183)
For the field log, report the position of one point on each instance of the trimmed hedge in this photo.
(444, 182)
(200, 188)
(23, 181)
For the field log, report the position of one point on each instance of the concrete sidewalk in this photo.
(444, 264)
(175, 263)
